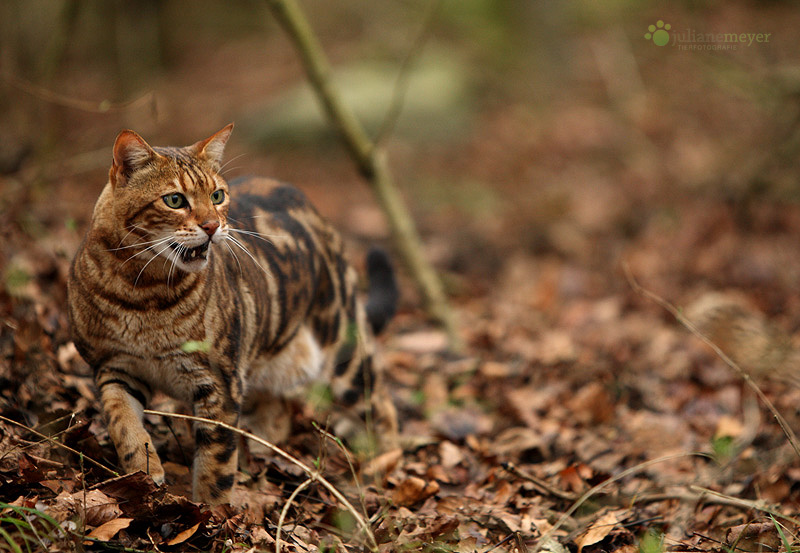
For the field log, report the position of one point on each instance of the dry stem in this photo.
(58, 444)
(370, 160)
(314, 475)
(627, 472)
(722, 355)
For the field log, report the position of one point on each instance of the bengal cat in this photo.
(227, 296)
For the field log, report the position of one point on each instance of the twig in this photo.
(538, 482)
(582, 499)
(743, 503)
(371, 162)
(401, 84)
(349, 457)
(103, 106)
(722, 355)
(373, 545)
(285, 509)
(59, 444)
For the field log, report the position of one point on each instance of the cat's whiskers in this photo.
(134, 245)
(259, 235)
(233, 253)
(153, 246)
(225, 165)
(169, 241)
(173, 262)
(237, 242)
(132, 228)
(121, 240)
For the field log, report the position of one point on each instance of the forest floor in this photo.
(581, 415)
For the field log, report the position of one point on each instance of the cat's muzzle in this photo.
(188, 255)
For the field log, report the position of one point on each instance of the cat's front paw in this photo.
(145, 459)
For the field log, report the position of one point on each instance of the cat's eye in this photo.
(175, 201)
(217, 196)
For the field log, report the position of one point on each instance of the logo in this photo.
(658, 33)
(662, 34)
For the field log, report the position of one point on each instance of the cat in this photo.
(226, 296)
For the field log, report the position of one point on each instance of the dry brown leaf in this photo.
(423, 341)
(592, 404)
(728, 427)
(109, 529)
(572, 479)
(413, 490)
(601, 528)
(518, 439)
(99, 508)
(436, 393)
(450, 454)
(762, 536)
(185, 535)
(383, 463)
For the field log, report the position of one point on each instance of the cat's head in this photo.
(171, 202)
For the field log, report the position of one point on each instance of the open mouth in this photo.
(190, 255)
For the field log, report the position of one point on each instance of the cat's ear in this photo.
(212, 148)
(131, 153)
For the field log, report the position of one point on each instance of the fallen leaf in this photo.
(598, 531)
(109, 529)
(185, 535)
(572, 479)
(762, 536)
(96, 507)
(423, 341)
(456, 423)
(413, 490)
(518, 439)
(383, 463)
(728, 427)
(592, 404)
(450, 454)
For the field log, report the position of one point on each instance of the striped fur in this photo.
(229, 300)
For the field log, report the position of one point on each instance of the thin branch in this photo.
(371, 162)
(538, 482)
(401, 84)
(675, 312)
(285, 510)
(58, 444)
(591, 492)
(313, 474)
(48, 95)
(760, 505)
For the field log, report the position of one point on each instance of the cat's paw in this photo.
(144, 459)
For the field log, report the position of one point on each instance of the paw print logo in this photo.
(658, 33)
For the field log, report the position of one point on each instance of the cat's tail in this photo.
(383, 292)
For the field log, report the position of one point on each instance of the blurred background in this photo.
(554, 132)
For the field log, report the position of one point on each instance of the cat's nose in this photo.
(210, 227)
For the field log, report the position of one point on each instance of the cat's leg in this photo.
(274, 382)
(123, 398)
(268, 417)
(216, 396)
(369, 417)
(358, 384)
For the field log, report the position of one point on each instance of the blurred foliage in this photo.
(477, 55)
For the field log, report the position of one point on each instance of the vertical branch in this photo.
(371, 162)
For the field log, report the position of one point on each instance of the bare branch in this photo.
(371, 162)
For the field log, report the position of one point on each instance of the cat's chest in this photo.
(158, 333)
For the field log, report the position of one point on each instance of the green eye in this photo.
(218, 196)
(175, 201)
